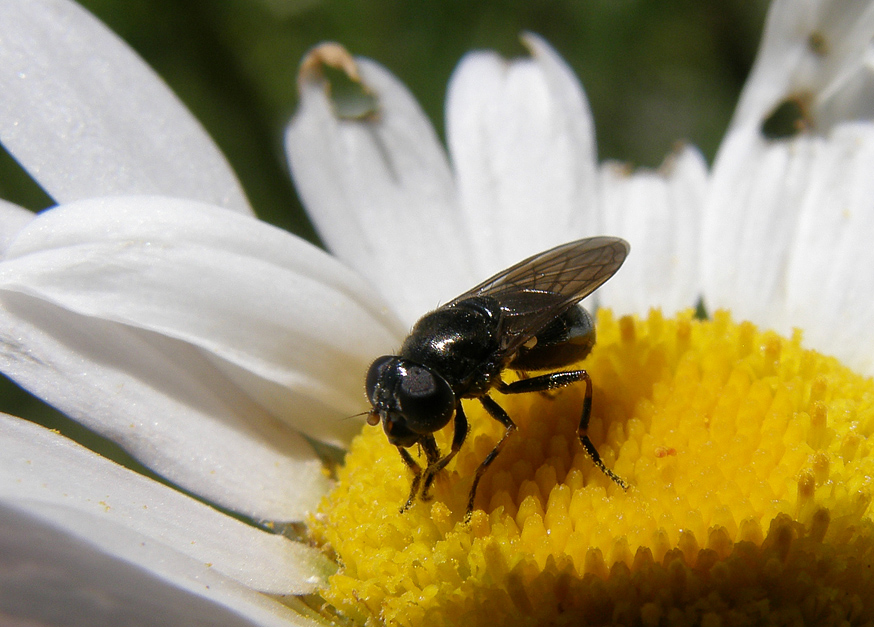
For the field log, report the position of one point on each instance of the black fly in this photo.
(526, 318)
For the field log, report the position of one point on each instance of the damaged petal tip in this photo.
(329, 54)
(789, 118)
(330, 68)
(530, 40)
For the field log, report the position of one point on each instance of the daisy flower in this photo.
(745, 445)
(152, 307)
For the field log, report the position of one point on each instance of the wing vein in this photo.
(538, 289)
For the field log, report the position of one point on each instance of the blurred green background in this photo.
(655, 72)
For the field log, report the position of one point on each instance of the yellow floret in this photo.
(750, 502)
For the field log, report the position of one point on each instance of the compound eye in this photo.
(375, 373)
(426, 400)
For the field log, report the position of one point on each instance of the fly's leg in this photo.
(560, 380)
(458, 438)
(433, 455)
(497, 412)
(417, 476)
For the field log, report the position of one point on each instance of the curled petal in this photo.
(119, 312)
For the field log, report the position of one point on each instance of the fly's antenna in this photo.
(372, 417)
(362, 413)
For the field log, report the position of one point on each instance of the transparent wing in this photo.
(535, 291)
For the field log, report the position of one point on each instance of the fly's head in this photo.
(410, 400)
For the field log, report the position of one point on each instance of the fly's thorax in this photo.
(455, 341)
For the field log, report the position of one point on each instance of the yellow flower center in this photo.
(751, 479)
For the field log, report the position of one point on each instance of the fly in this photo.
(526, 318)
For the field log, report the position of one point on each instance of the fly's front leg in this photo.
(433, 455)
(458, 438)
(559, 380)
(417, 476)
(497, 412)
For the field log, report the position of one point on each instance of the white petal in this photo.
(379, 189)
(165, 403)
(750, 225)
(257, 297)
(12, 219)
(50, 578)
(789, 239)
(69, 493)
(659, 213)
(76, 527)
(818, 53)
(830, 285)
(522, 145)
(87, 117)
(276, 320)
(760, 228)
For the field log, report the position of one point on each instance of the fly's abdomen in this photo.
(566, 340)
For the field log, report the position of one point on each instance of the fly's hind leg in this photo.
(560, 380)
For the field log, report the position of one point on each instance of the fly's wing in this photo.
(535, 291)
